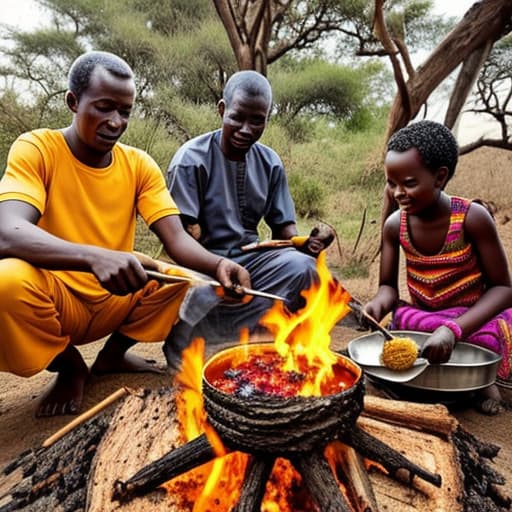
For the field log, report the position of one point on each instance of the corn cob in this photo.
(399, 353)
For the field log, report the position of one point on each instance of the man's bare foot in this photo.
(64, 397)
(113, 358)
(128, 363)
(66, 392)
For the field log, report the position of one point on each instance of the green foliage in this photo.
(308, 194)
(326, 125)
(182, 118)
(316, 87)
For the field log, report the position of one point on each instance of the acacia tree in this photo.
(493, 96)
(260, 32)
(468, 43)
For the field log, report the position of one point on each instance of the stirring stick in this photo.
(355, 306)
(170, 278)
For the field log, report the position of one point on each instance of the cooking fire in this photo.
(274, 421)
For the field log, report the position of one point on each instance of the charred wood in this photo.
(55, 478)
(482, 491)
(320, 481)
(174, 463)
(393, 461)
(253, 489)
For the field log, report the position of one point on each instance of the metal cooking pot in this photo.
(470, 367)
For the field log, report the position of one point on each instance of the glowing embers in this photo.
(263, 375)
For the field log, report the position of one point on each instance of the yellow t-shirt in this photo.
(83, 204)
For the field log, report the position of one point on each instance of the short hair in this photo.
(434, 142)
(82, 68)
(251, 83)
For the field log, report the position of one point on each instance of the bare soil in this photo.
(484, 174)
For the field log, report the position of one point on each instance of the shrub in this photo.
(308, 194)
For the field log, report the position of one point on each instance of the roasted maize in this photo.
(399, 353)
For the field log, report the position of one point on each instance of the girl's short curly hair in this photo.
(434, 142)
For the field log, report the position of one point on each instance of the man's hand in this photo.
(233, 278)
(320, 238)
(118, 272)
(439, 345)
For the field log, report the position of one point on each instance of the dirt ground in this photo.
(484, 174)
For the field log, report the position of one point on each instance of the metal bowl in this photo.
(470, 367)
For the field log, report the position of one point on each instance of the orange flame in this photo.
(305, 333)
(302, 339)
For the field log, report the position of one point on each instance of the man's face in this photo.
(243, 123)
(102, 112)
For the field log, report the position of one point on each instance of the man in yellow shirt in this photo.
(68, 205)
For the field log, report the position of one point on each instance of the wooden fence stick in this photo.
(86, 415)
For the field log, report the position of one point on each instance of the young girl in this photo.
(457, 273)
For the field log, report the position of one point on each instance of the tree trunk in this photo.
(248, 28)
(486, 21)
(465, 81)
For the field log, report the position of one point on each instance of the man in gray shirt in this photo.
(224, 184)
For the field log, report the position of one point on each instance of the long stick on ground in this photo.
(85, 416)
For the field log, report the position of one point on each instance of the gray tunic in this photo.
(229, 199)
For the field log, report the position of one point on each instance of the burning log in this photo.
(173, 463)
(320, 482)
(355, 478)
(377, 451)
(253, 488)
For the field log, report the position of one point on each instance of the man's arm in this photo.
(186, 251)
(118, 272)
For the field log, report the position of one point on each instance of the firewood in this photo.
(355, 478)
(394, 462)
(253, 489)
(85, 416)
(320, 481)
(433, 418)
(174, 463)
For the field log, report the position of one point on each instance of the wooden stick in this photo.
(171, 278)
(434, 418)
(267, 244)
(356, 479)
(86, 415)
(357, 307)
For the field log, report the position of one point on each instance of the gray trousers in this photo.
(285, 272)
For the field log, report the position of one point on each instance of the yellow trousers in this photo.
(40, 316)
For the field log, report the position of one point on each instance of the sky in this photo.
(25, 13)
(28, 14)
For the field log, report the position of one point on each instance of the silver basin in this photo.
(470, 367)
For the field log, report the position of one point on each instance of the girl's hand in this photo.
(375, 310)
(439, 345)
